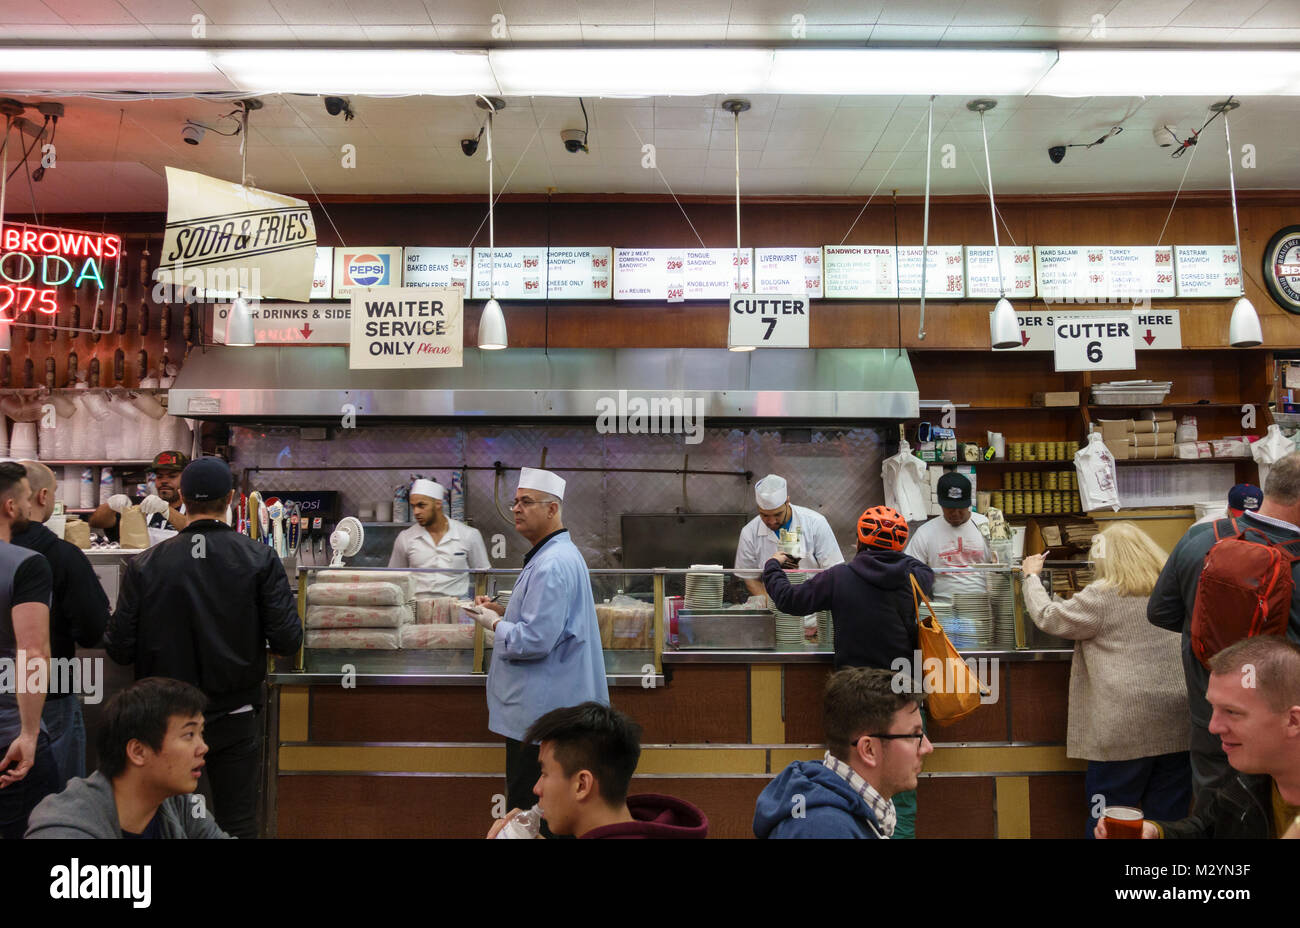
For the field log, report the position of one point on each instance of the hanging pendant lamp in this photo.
(1004, 327)
(239, 325)
(1244, 330)
(492, 322)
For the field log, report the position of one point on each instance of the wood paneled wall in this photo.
(1199, 218)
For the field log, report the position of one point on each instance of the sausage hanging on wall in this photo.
(144, 317)
(29, 374)
(72, 368)
(121, 319)
(165, 322)
(144, 366)
(119, 366)
(6, 370)
(94, 372)
(96, 322)
(49, 372)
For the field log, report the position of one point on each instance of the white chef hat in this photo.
(770, 492)
(428, 488)
(532, 478)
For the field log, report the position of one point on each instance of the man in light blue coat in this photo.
(547, 652)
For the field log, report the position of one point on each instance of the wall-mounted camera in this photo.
(470, 146)
(192, 133)
(575, 140)
(1056, 153)
(336, 105)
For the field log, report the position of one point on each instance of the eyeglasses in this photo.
(524, 502)
(919, 736)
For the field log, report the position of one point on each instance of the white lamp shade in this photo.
(1243, 329)
(239, 325)
(492, 327)
(1004, 327)
(4, 336)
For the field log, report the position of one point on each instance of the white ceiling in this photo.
(111, 155)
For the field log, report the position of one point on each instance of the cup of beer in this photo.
(1123, 822)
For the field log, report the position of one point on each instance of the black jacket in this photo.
(79, 612)
(870, 599)
(204, 612)
(1241, 808)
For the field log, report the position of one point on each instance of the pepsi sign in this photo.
(362, 268)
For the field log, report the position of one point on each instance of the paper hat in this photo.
(533, 478)
(771, 492)
(428, 488)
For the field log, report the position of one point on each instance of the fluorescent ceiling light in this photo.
(630, 72)
(1171, 72)
(108, 69)
(908, 71)
(357, 71)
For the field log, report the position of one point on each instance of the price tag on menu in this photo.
(944, 274)
(861, 272)
(1207, 270)
(982, 272)
(438, 268)
(322, 275)
(768, 320)
(1094, 342)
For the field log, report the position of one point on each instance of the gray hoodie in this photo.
(86, 809)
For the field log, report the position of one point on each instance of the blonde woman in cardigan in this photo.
(1128, 699)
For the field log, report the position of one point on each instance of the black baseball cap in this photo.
(954, 491)
(206, 479)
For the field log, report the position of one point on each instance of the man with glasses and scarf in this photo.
(547, 651)
(875, 747)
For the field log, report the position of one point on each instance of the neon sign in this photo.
(36, 260)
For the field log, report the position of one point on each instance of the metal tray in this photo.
(726, 631)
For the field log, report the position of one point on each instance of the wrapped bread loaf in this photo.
(357, 616)
(401, 579)
(439, 610)
(354, 594)
(625, 626)
(368, 639)
(450, 637)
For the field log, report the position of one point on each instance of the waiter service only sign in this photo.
(406, 327)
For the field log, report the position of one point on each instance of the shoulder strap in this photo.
(1225, 528)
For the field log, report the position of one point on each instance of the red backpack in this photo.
(1245, 589)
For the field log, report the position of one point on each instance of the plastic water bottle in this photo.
(402, 504)
(524, 825)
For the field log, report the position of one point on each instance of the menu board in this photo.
(578, 273)
(1083, 273)
(1207, 270)
(322, 275)
(862, 272)
(438, 268)
(867, 272)
(364, 268)
(676, 274)
(944, 274)
(982, 272)
(788, 270)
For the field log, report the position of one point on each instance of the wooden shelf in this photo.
(1104, 406)
(1068, 463)
(1188, 461)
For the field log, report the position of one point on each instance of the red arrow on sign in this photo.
(1148, 338)
(1024, 338)
(306, 330)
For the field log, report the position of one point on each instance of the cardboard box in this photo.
(1114, 430)
(1119, 450)
(1151, 439)
(1056, 399)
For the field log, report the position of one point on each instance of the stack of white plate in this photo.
(972, 623)
(825, 631)
(503, 598)
(789, 628)
(1002, 598)
(704, 589)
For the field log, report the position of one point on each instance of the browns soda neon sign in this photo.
(36, 260)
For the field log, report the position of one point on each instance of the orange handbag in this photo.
(952, 690)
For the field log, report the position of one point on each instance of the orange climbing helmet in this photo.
(882, 527)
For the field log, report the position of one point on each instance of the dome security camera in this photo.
(575, 140)
(192, 133)
(469, 147)
(1165, 136)
(1056, 153)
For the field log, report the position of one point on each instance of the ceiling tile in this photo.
(86, 12)
(981, 33)
(388, 12)
(1273, 35)
(691, 12)
(1147, 13)
(522, 32)
(994, 12)
(1067, 12)
(1217, 14)
(843, 12)
(725, 140)
(400, 33)
(536, 12)
(903, 12)
(921, 35)
(801, 123)
(16, 12)
(159, 12)
(611, 32)
(698, 32)
(1047, 33)
(758, 32)
(727, 159)
(240, 12)
(679, 138)
(768, 12)
(680, 117)
(616, 12)
(116, 32)
(464, 34)
(787, 158)
(326, 33)
(315, 12)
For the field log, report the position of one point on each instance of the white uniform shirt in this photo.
(460, 548)
(907, 485)
(758, 543)
(938, 544)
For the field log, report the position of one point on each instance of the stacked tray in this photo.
(789, 628)
(704, 587)
(971, 626)
(1002, 598)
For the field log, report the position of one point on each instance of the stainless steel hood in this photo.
(273, 382)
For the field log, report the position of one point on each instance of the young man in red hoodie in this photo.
(588, 755)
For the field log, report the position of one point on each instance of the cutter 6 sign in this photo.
(1094, 343)
(772, 320)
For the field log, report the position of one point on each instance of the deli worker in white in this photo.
(758, 539)
(437, 541)
(547, 652)
(164, 512)
(953, 541)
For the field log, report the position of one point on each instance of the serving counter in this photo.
(396, 743)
